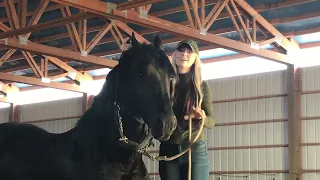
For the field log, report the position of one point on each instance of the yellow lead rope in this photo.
(190, 158)
(165, 158)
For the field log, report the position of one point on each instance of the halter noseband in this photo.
(144, 146)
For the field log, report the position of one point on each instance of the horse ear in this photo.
(134, 41)
(157, 43)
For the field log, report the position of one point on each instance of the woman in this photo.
(193, 97)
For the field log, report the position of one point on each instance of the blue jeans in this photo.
(178, 169)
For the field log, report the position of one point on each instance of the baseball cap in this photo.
(192, 44)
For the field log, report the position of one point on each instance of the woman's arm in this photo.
(207, 106)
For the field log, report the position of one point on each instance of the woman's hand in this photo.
(197, 113)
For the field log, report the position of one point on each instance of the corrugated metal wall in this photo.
(54, 116)
(310, 123)
(4, 115)
(250, 135)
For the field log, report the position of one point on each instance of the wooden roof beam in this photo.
(47, 25)
(129, 31)
(258, 8)
(58, 52)
(38, 82)
(72, 73)
(217, 32)
(136, 3)
(99, 7)
(280, 38)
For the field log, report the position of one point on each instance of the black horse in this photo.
(108, 140)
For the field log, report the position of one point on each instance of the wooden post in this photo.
(294, 124)
(15, 112)
(86, 102)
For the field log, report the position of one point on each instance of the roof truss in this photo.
(116, 17)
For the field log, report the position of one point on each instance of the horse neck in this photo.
(101, 124)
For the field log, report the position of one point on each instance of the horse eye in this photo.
(141, 74)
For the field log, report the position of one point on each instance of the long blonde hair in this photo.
(194, 95)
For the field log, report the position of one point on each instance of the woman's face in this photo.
(184, 58)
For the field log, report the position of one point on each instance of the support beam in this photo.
(72, 73)
(136, 3)
(58, 52)
(99, 7)
(46, 25)
(293, 88)
(281, 39)
(38, 82)
(87, 101)
(129, 31)
(14, 113)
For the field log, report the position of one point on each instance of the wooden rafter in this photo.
(12, 14)
(6, 56)
(4, 27)
(117, 31)
(282, 41)
(35, 68)
(23, 12)
(114, 35)
(136, 3)
(235, 23)
(243, 24)
(84, 34)
(187, 9)
(47, 24)
(258, 8)
(103, 40)
(129, 31)
(58, 52)
(38, 13)
(71, 35)
(38, 82)
(66, 12)
(44, 66)
(156, 23)
(78, 77)
(216, 12)
(98, 37)
(174, 40)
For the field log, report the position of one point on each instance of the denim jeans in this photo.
(178, 168)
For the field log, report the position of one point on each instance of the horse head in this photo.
(145, 87)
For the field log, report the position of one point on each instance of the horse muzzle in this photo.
(164, 129)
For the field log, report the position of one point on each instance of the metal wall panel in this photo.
(57, 126)
(311, 78)
(310, 123)
(249, 85)
(4, 115)
(52, 109)
(249, 159)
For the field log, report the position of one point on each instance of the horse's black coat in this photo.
(140, 84)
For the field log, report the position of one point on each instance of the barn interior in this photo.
(62, 49)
